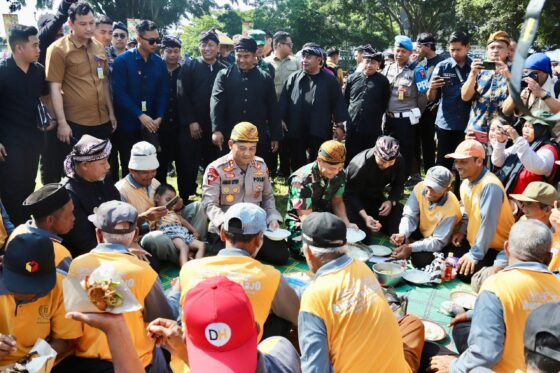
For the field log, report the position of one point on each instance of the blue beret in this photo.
(403, 42)
(539, 61)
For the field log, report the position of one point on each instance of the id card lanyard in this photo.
(100, 74)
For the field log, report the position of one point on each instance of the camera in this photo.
(533, 75)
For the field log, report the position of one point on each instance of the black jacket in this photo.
(328, 104)
(194, 90)
(86, 196)
(365, 182)
(47, 35)
(367, 98)
(240, 96)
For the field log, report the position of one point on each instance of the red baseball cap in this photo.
(221, 332)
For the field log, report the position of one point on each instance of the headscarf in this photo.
(386, 148)
(333, 152)
(88, 149)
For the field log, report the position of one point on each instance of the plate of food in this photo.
(354, 235)
(417, 277)
(433, 332)
(103, 290)
(358, 252)
(40, 358)
(380, 250)
(278, 234)
(464, 299)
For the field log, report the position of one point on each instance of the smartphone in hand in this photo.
(489, 65)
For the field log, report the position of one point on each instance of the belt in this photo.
(399, 114)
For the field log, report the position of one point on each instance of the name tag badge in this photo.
(100, 72)
(401, 92)
(144, 106)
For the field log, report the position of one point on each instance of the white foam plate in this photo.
(277, 234)
(379, 250)
(355, 235)
(464, 299)
(416, 276)
(433, 332)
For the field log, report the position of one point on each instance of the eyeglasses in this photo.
(151, 41)
(119, 36)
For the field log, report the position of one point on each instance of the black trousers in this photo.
(389, 224)
(460, 334)
(54, 151)
(448, 140)
(407, 135)
(193, 154)
(357, 142)
(427, 143)
(276, 326)
(123, 141)
(271, 252)
(300, 147)
(169, 142)
(18, 172)
(430, 350)
(282, 157)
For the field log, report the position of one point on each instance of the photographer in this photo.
(538, 87)
(487, 84)
(530, 158)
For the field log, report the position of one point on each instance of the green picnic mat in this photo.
(423, 301)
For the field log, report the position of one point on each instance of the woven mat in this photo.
(424, 301)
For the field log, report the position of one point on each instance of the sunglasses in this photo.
(151, 41)
(119, 36)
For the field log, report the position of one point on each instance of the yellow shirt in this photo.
(362, 332)
(3, 233)
(137, 195)
(470, 196)
(520, 291)
(62, 256)
(259, 281)
(140, 278)
(44, 318)
(431, 217)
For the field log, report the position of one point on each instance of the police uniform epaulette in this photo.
(259, 159)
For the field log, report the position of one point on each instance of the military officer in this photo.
(408, 100)
(317, 187)
(240, 176)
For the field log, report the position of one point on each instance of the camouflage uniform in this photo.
(309, 190)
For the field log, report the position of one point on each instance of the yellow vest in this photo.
(137, 197)
(140, 278)
(362, 332)
(3, 233)
(430, 218)
(61, 253)
(470, 196)
(555, 262)
(520, 291)
(259, 281)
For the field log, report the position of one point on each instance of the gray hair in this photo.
(121, 239)
(323, 254)
(530, 241)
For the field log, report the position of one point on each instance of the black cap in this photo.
(332, 51)
(29, 264)
(120, 26)
(208, 35)
(245, 44)
(170, 41)
(324, 230)
(370, 52)
(426, 38)
(545, 319)
(48, 199)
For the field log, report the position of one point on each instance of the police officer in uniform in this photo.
(245, 93)
(240, 176)
(408, 100)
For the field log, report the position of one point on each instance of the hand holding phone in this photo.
(171, 202)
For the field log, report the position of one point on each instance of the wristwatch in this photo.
(547, 95)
